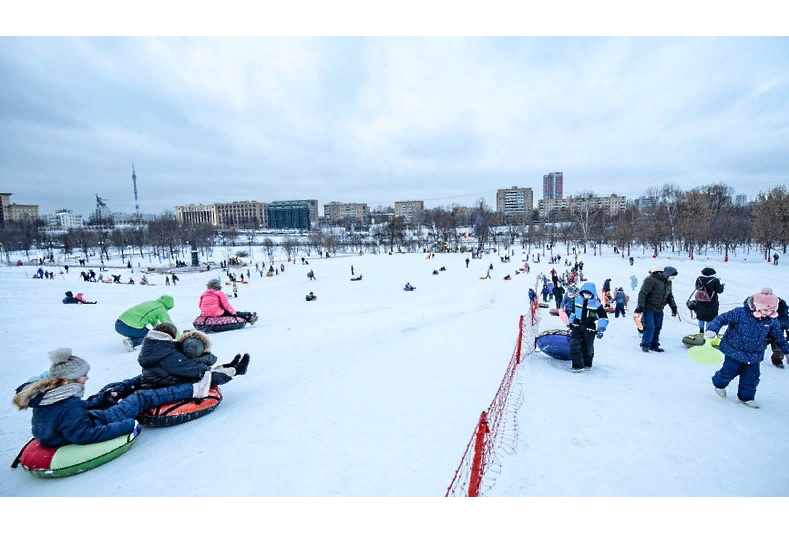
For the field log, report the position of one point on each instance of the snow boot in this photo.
(253, 318)
(645, 349)
(750, 403)
(720, 392)
(576, 369)
(233, 363)
(658, 349)
(587, 368)
(241, 367)
(129, 347)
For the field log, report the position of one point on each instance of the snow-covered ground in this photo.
(373, 391)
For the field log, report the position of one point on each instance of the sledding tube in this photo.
(217, 324)
(172, 414)
(71, 459)
(553, 312)
(555, 342)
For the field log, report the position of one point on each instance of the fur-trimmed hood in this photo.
(30, 394)
(202, 336)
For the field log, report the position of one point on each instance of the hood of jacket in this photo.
(31, 393)
(589, 287)
(156, 346)
(167, 301)
(202, 337)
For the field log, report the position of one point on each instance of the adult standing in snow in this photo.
(133, 323)
(558, 294)
(584, 327)
(775, 259)
(631, 264)
(467, 261)
(655, 293)
(750, 328)
(707, 304)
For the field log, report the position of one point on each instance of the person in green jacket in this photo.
(132, 323)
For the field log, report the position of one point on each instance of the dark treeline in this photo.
(695, 221)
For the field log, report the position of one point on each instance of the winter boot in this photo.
(129, 347)
(572, 369)
(253, 318)
(658, 349)
(241, 367)
(233, 363)
(645, 349)
(750, 403)
(720, 392)
(201, 388)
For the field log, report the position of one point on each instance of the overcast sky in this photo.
(375, 120)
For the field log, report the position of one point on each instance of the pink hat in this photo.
(765, 299)
(79, 296)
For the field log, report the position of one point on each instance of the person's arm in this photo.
(225, 303)
(724, 319)
(161, 317)
(646, 288)
(89, 428)
(776, 335)
(184, 367)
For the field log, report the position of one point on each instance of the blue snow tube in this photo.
(555, 342)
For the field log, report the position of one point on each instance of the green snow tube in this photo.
(70, 459)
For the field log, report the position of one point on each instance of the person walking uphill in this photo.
(708, 287)
(132, 323)
(750, 328)
(61, 416)
(655, 293)
(584, 327)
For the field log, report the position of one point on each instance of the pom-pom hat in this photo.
(67, 365)
(765, 303)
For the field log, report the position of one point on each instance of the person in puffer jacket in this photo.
(655, 293)
(620, 298)
(133, 323)
(61, 416)
(214, 302)
(750, 328)
(584, 327)
(568, 302)
(167, 362)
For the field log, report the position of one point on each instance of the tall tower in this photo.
(136, 202)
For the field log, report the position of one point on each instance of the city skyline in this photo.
(375, 120)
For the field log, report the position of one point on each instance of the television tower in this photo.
(136, 202)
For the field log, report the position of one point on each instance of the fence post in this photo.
(478, 465)
(520, 340)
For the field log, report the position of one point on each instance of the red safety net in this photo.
(497, 428)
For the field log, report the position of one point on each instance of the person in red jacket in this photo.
(214, 302)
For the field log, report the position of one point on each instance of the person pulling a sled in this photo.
(584, 327)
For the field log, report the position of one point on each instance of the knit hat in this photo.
(708, 271)
(214, 284)
(670, 271)
(765, 299)
(66, 365)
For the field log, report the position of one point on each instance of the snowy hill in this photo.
(373, 391)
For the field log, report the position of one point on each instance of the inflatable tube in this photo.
(608, 309)
(218, 324)
(555, 342)
(707, 354)
(553, 312)
(71, 459)
(172, 414)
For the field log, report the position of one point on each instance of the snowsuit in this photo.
(545, 292)
(164, 363)
(215, 303)
(707, 311)
(621, 301)
(568, 304)
(69, 299)
(655, 293)
(583, 326)
(132, 322)
(77, 421)
(743, 346)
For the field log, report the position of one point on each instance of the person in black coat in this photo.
(558, 295)
(708, 287)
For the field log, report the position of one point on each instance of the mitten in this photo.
(673, 312)
(599, 334)
(137, 429)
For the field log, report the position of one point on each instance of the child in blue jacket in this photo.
(587, 321)
(750, 328)
(61, 416)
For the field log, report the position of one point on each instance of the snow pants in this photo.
(135, 335)
(581, 347)
(620, 308)
(749, 377)
(653, 323)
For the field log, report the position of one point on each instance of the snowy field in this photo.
(373, 391)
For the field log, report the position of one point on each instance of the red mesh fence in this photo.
(497, 428)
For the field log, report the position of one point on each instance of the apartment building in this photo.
(613, 203)
(410, 210)
(336, 211)
(197, 214)
(16, 212)
(64, 219)
(553, 186)
(514, 201)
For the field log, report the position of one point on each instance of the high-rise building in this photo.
(290, 215)
(410, 210)
(553, 186)
(514, 201)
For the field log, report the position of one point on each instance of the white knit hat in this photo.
(66, 365)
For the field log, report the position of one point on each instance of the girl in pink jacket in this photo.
(214, 302)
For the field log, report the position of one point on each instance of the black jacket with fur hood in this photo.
(164, 362)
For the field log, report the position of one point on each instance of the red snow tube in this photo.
(217, 324)
(172, 414)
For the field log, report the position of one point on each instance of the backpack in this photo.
(703, 294)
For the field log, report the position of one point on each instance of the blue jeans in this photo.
(135, 335)
(749, 377)
(703, 325)
(653, 323)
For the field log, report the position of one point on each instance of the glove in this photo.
(602, 324)
(673, 312)
(137, 429)
(599, 333)
(638, 310)
(709, 334)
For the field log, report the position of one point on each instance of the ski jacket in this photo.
(620, 298)
(707, 311)
(586, 312)
(151, 313)
(77, 421)
(69, 299)
(215, 303)
(746, 336)
(655, 293)
(783, 314)
(558, 293)
(164, 364)
(568, 304)
(607, 285)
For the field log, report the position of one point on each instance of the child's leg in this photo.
(702, 326)
(576, 343)
(730, 369)
(749, 380)
(588, 348)
(221, 375)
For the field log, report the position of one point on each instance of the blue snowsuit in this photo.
(584, 326)
(621, 302)
(743, 346)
